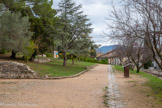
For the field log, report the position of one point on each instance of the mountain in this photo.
(105, 49)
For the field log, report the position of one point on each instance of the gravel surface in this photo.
(135, 92)
(115, 98)
(85, 91)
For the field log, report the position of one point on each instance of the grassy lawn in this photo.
(154, 82)
(56, 69)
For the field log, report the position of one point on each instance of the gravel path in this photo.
(85, 91)
(115, 97)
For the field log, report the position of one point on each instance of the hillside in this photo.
(105, 49)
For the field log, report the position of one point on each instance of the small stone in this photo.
(46, 76)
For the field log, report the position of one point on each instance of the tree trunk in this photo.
(79, 59)
(138, 69)
(72, 61)
(76, 59)
(65, 59)
(158, 63)
(13, 54)
(33, 55)
(132, 67)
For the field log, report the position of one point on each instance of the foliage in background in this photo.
(3, 51)
(148, 64)
(30, 50)
(105, 61)
(49, 55)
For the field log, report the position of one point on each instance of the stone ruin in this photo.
(15, 70)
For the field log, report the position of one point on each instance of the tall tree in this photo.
(43, 25)
(74, 25)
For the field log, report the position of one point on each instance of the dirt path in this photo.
(85, 91)
(135, 92)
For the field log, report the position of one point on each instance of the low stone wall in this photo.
(42, 60)
(154, 72)
(15, 70)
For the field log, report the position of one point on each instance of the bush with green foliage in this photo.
(104, 61)
(148, 64)
(69, 56)
(29, 51)
(61, 56)
(49, 55)
(3, 51)
(94, 60)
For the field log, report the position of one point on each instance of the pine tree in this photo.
(73, 26)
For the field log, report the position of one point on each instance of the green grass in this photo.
(120, 68)
(55, 68)
(105, 97)
(153, 82)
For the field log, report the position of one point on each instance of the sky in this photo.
(97, 11)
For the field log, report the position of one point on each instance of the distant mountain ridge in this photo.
(105, 49)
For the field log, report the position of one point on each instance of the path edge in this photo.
(73, 76)
(57, 78)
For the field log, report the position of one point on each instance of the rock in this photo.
(46, 76)
(12, 70)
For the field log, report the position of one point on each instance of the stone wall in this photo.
(15, 70)
(42, 60)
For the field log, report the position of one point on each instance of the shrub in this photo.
(61, 56)
(3, 51)
(148, 64)
(90, 60)
(49, 55)
(29, 51)
(94, 60)
(104, 61)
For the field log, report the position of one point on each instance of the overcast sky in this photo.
(97, 11)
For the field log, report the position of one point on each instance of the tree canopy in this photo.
(14, 31)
